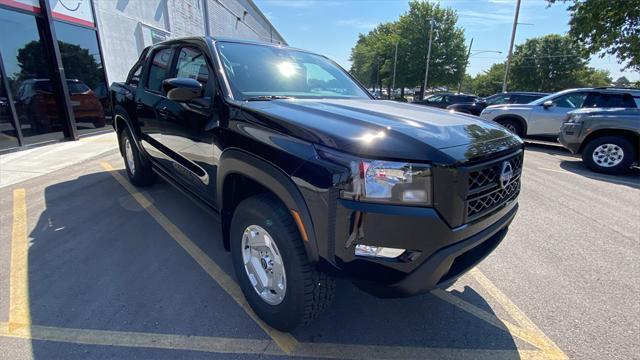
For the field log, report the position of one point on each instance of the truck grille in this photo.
(485, 191)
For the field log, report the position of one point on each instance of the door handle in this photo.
(163, 111)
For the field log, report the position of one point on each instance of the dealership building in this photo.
(57, 57)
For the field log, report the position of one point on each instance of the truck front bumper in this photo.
(569, 136)
(436, 255)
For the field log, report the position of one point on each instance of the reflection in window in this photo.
(8, 131)
(85, 75)
(159, 68)
(29, 77)
(193, 65)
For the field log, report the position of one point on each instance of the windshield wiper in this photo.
(267, 98)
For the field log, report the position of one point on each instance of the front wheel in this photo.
(609, 154)
(513, 126)
(272, 267)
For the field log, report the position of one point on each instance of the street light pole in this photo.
(426, 71)
(395, 62)
(513, 36)
(466, 63)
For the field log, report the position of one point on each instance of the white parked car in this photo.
(545, 115)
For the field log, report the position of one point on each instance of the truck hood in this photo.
(384, 129)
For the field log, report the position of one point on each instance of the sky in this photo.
(331, 27)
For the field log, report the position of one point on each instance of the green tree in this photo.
(447, 49)
(78, 63)
(607, 27)
(622, 82)
(549, 63)
(490, 81)
(373, 55)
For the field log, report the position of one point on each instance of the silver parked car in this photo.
(545, 115)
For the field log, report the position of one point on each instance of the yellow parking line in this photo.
(211, 344)
(19, 314)
(144, 340)
(516, 313)
(284, 340)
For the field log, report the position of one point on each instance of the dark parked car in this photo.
(35, 100)
(445, 99)
(608, 139)
(312, 178)
(476, 107)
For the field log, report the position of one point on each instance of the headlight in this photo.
(575, 118)
(396, 182)
(384, 181)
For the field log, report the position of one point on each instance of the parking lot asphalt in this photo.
(91, 267)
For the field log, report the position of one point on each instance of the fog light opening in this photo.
(378, 251)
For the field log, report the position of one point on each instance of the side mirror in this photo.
(182, 89)
(547, 104)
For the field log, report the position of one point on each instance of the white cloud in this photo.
(355, 23)
(301, 4)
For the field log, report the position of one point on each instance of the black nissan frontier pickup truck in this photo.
(312, 178)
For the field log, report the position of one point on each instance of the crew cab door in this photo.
(546, 120)
(190, 128)
(149, 97)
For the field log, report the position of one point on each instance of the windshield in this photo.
(550, 97)
(269, 71)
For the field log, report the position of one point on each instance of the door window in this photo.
(193, 65)
(572, 100)
(159, 69)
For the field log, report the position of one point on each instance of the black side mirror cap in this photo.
(181, 89)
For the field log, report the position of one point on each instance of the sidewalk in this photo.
(27, 164)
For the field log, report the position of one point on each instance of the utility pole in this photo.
(466, 63)
(395, 62)
(426, 71)
(513, 37)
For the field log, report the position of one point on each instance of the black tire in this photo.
(513, 126)
(628, 154)
(308, 291)
(141, 174)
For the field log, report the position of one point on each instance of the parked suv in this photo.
(312, 178)
(608, 139)
(545, 115)
(476, 107)
(445, 99)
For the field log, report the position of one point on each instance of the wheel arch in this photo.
(520, 119)
(630, 135)
(238, 167)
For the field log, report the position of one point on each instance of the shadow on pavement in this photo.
(97, 260)
(630, 178)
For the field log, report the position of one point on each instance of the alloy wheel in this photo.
(608, 155)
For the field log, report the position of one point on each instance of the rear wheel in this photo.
(513, 126)
(138, 168)
(609, 154)
(272, 267)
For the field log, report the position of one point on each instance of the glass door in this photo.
(8, 129)
(29, 77)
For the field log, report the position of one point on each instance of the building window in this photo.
(28, 73)
(88, 89)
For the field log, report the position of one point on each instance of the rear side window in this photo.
(524, 99)
(606, 100)
(159, 69)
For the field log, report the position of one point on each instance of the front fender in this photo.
(237, 161)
